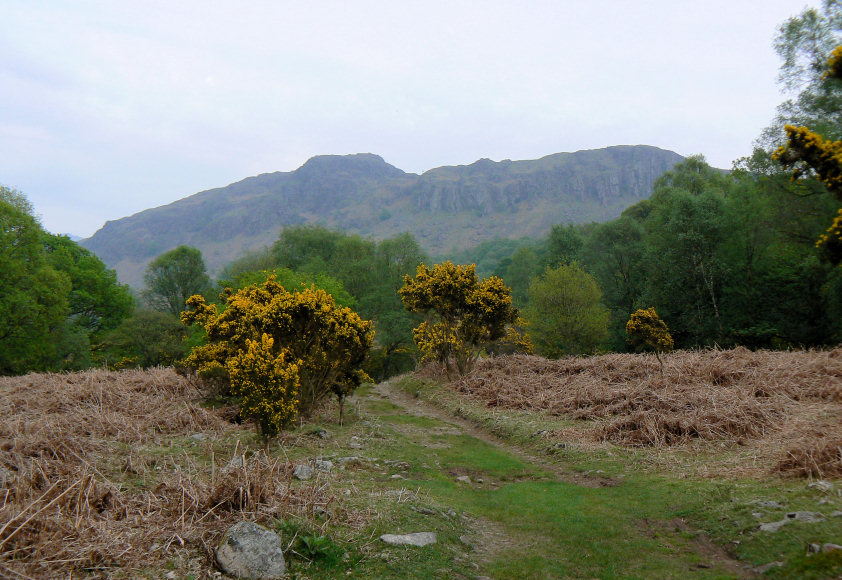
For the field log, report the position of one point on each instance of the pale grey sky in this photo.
(111, 107)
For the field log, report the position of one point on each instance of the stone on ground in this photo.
(417, 539)
(251, 551)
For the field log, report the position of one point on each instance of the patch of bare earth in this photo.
(84, 490)
(782, 408)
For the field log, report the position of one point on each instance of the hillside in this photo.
(445, 208)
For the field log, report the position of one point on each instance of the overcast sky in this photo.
(111, 107)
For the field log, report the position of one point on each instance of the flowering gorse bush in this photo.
(463, 314)
(266, 384)
(645, 327)
(808, 153)
(326, 344)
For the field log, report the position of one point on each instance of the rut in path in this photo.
(496, 539)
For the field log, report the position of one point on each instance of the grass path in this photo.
(530, 517)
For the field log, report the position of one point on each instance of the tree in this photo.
(328, 344)
(173, 277)
(97, 301)
(565, 314)
(684, 233)
(564, 244)
(33, 296)
(462, 313)
(645, 328)
(147, 338)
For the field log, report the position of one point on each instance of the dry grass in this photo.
(82, 492)
(790, 399)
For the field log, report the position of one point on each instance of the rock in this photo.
(822, 486)
(397, 476)
(464, 479)
(237, 462)
(350, 460)
(758, 515)
(828, 547)
(303, 472)
(766, 567)
(425, 511)
(322, 434)
(355, 445)
(773, 526)
(199, 436)
(419, 539)
(809, 517)
(323, 464)
(251, 551)
(814, 548)
(769, 505)
(836, 514)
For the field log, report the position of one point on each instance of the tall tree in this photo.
(33, 294)
(173, 277)
(565, 314)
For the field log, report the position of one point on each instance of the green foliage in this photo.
(564, 245)
(145, 339)
(173, 277)
(328, 343)
(55, 295)
(292, 280)
(463, 314)
(565, 314)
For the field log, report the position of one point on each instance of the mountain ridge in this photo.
(446, 208)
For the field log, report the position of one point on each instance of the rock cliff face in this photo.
(445, 208)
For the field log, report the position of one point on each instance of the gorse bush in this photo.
(266, 384)
(463, 313)
(271, 347)
(645, 327)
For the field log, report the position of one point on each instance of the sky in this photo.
(111, 107)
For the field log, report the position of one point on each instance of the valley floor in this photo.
(131, 475)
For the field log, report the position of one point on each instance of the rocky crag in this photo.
(447, 208)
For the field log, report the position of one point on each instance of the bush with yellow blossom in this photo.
(326, 344)
(645, 327)
(463, 313)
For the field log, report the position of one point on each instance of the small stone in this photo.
(836, 514)
(814, 548)
(199, 436)
(828, 547)
(809, 517)
(350, 460)
(766, 567)
(397, 476)
(355, 445)
(251, 551)
(425, 511)
(758, 515)
(419, 539)
(347, 492)
(770, 505)
(464, 479)
(323, 434)
(466, 540)
(402, 465)
(323, 464)
(171, 575)
(302, 472)
(822, 486)
(237, 462)
(773, 526)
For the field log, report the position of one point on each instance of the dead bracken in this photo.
(83, 487)
(709, 395)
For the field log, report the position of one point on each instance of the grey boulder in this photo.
(251, 551)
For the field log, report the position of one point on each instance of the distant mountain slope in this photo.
(445, 208)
